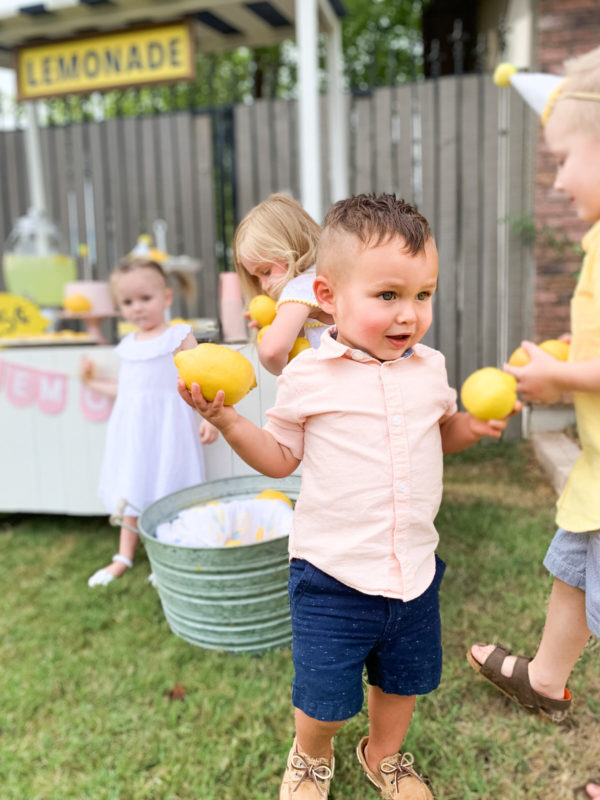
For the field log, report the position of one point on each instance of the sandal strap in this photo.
(518, 686)
(123, 560)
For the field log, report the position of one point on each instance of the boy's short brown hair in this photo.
(373, 219)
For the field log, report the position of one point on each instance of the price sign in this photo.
(20, 317)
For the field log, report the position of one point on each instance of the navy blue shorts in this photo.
(338, 630)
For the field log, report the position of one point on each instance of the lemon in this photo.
(503, 72)
(519, 358)
(556, 348)
(178, 321)
(273, 494)
(489, 393)
(261, 333)
(262, 309)
(299, 345)
(215, 367)
(76, 303)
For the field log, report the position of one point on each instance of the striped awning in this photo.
(220, 25)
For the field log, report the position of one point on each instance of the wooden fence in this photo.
(457, 147)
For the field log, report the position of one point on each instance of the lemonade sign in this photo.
(20, 317)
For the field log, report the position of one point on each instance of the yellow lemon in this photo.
(262, 309)
(519, 358)
(556, 348)
(261, 333)
(177, 321)
(232, 543)
(299, 345)
(503, 72)
(273, 494)
(215, 367)
(489, 393)
(76, 303)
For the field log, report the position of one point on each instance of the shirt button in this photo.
(401, 486)
(396, 420)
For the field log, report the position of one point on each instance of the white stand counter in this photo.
(52, 429)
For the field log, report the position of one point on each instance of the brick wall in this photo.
(565, 28)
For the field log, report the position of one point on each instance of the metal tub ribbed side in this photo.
(229, 598)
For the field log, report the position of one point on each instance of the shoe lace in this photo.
(398, 767)
(311, 772)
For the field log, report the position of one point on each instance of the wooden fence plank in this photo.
(148, 174)
(264, 149)
(446, 189)
(95, 138)
(244, 160)
(468, 266)
(382, 116)
(362, 166)
(284, 165)
(133, 196)
(401, 136)
(208, 278)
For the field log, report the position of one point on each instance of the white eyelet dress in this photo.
(299, 290)
(152, 444)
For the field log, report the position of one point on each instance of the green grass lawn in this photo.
(85, 705)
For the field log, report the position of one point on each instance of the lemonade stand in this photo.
(53, 427)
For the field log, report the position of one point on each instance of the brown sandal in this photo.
(518, 688)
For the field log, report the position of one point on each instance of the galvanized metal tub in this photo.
(226, 598)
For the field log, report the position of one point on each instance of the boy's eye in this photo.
(423, 295)
(387, 295)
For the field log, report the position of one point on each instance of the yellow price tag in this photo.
(20, 317)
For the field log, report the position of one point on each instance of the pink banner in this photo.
(21, 385)
(26, 386)
(95, 407)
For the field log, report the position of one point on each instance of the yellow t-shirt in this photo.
(578, 507)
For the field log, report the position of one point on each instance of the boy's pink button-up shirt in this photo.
(368, 433)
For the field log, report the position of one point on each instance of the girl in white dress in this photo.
(153, 446)
(274, 253)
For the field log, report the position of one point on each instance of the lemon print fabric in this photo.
(274, 494)
(229, 524)
(262, 309)
(489, 393)
(215, 367)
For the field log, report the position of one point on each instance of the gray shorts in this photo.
(574, 558)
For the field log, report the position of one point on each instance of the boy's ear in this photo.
(324, 294)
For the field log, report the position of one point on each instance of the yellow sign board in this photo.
(19, 316)
(118, 60)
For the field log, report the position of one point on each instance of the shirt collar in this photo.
(331, 348)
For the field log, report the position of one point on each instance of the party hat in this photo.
(535, 88)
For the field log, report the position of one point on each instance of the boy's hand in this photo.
(215, 412)
(494, 428)
(208, 432)
(536, 381)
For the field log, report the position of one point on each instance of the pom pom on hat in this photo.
(538, 89)
(503, 72)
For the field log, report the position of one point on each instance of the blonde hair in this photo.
(127, 265)
(276, 230)
(578, 98)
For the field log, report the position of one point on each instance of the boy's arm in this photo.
(255, 446)
(461, 430)
(545, 378)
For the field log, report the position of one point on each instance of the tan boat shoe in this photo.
(306, 778)
(395, 779)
